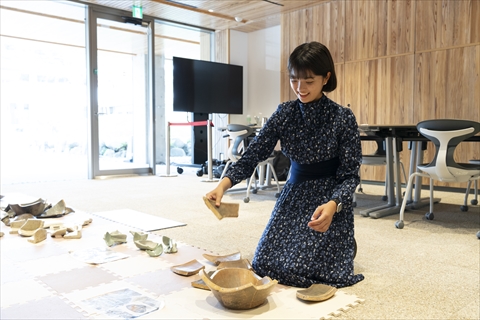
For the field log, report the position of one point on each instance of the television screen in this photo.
(207, 87)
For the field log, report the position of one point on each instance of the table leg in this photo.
(376, 211)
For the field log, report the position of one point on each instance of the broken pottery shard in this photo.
(189, 268)
(35, 208)
(169, 245)
(77, 234)
(317, 292)
(15, 225)
(138, 236)
(115, 237)
(58, 232)
(30, 226)
(226, 210)
(146, 244)
(55, 211)
(38, 236)
(155, 252)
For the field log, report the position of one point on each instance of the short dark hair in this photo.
(314, 57)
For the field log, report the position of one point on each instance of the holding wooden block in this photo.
(226, 210)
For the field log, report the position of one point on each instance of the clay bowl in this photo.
(238, 288)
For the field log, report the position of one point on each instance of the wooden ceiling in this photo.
(240, 15)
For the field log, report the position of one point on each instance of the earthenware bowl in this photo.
(238, 288)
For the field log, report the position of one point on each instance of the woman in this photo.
(310, 235)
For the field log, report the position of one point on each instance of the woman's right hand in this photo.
(217, 193)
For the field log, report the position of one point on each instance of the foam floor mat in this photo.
(48, 280)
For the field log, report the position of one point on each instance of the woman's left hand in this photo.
(322, 217)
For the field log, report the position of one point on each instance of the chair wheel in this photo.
(179, 170)
(474, 202)
(464, 208)
(399, 224)
(360, 190)
(277, 194)
(429, 215)
(246, 199)
(478, 234)
(354, 204)
(254, 191)
(384, 198)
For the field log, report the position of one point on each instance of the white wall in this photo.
(259, 53)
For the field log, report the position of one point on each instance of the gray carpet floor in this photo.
(428, 270)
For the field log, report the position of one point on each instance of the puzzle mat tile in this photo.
(139, 220)
(51, 307)
(201, 304)
(52, 275)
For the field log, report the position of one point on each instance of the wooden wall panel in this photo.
(447, 86)
(378, 28)
(401, 61)
(446, 23)
(323, 23)
(381, 91)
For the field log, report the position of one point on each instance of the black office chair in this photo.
(446, 134)
(378, 158)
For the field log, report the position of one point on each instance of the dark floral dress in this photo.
(289, 251)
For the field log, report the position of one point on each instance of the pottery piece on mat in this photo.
(200, 284)
(146, 244)
(38, 236)
(317, 292)
(219, 259)
(76, 234)
(55, 211)
(24, 216)
(242, 263)
(139, 235)
(5, 218)
(226, 210)
(155, 252)
(187, 269)
(29, 227)
(36, 207)
(115, 237)
(169, 245)
(58, 232)
(239, 289)
(15, 225)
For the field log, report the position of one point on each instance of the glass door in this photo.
(121, 103)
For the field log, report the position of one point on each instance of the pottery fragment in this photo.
(38, 236)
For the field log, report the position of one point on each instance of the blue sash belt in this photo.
(303, 172)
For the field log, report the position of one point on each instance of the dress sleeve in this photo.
(259, 149)
(350, 155)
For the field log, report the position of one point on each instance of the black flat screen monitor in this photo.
(207, 87)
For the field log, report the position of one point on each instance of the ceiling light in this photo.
(238, 19)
